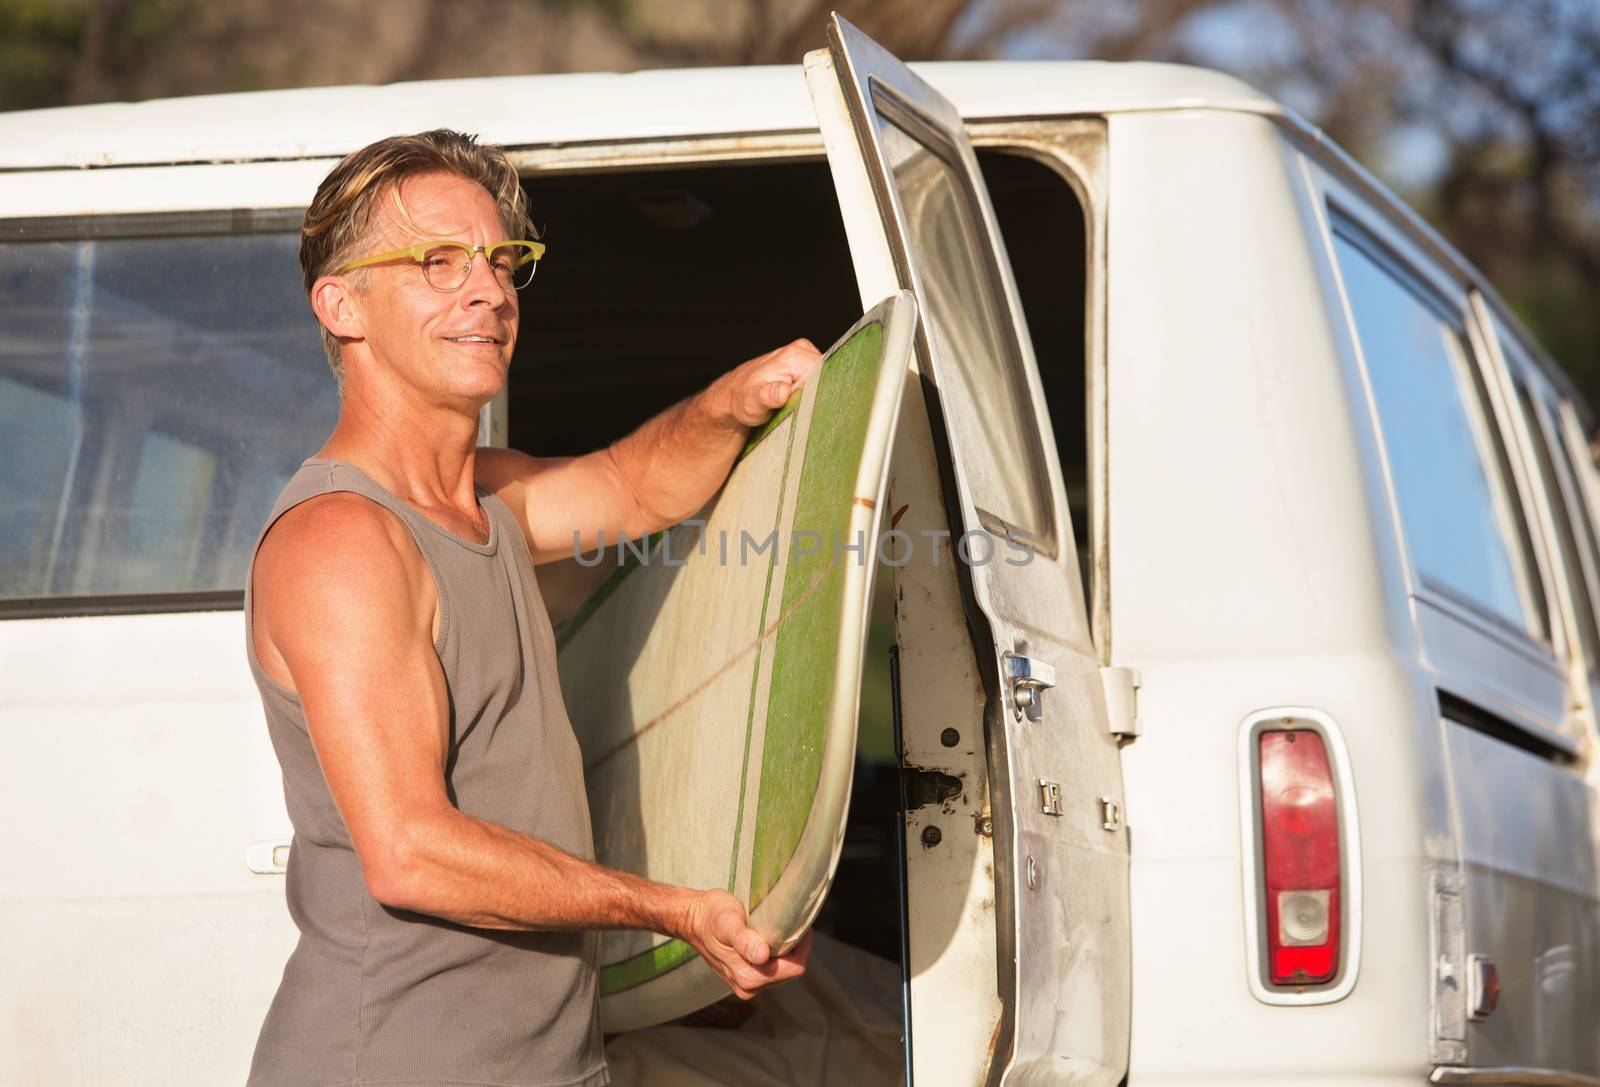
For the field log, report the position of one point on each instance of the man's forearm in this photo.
(676, 460)
(476, 873)
(480, 874)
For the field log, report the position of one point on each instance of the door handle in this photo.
(268, 858)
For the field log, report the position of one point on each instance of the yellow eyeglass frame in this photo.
(530, 252)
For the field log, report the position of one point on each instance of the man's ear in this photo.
(335, 305)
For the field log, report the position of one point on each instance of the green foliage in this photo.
(146, 26)
(612, 9)
(1557, 307)
(39, 43)
(50, 57)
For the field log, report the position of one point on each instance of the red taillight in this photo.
(1300, 858)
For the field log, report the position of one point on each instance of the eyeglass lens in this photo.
(447, 266)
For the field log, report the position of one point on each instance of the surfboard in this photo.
(713, 679)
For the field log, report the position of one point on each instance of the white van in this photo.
(1277, 766)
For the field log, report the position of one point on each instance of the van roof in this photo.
(323, 122)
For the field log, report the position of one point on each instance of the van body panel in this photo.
(162, 188)
(1530, 904)
(138, 771)
(1287, 592)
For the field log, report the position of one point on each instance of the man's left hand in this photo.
(750, 393)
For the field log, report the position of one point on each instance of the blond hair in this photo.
(339, 220)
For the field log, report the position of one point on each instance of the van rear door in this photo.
(919, 218)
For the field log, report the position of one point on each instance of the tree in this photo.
(1485, 113)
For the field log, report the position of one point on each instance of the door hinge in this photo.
(1122, 700)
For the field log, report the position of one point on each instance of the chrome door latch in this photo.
(1027, 680)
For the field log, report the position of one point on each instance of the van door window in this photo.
(963, 319)
(155, 394)
(1466, 534)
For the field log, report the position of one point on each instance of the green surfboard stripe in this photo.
(642, 967)
(755, 670)
(805, 660)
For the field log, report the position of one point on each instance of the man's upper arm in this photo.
(348, 603)
(557, 497)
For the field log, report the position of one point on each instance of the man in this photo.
(442, 875)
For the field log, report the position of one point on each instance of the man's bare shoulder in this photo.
(337, 566)
(339, 535)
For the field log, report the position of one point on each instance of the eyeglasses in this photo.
(446, 265)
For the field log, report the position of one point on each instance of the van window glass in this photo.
(1556, 481)
(155, 395)
(1466, 535)
(1575, 472)
(970, 335)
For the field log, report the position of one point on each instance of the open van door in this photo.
(918, 217)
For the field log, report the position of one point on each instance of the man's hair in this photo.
(339, 221)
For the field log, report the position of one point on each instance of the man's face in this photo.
(449, 345)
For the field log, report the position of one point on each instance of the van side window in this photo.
(1575, 460)
(1557, 480)
(1465, 532)
(1563, 483)
(155, 395)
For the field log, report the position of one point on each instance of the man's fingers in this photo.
(776, 970)
(731, 928)
(789, 965)
(765, 384)
(754, 949)
(781, 969)
(801, 951)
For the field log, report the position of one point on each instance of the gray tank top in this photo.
(373, 995)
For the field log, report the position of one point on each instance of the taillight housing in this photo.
(1301, 849)
(1300, 857)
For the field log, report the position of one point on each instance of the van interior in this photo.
(658, 280)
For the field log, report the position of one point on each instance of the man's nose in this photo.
(483, 285)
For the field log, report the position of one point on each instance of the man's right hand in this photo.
(718, 928)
